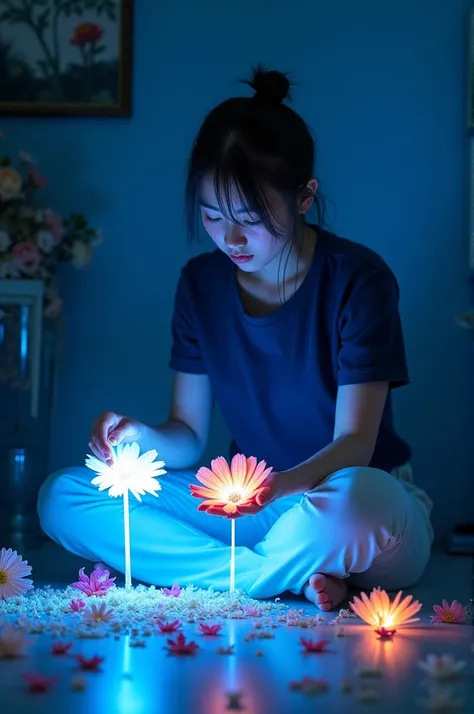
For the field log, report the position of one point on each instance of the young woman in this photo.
(296, 333)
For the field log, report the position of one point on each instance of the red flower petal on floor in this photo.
(310, 685)
(60, 648)
(210, 630)
(38, 682)
(385, 634)
(90, 664)
(179, 646)
(314, 646)
(169, 626)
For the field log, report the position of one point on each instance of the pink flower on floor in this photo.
(89, 664)
(314, 646)
(77, 605)
(385, 634)
(179, 646)
(454, 614)
(175, 591)
(60, 648)
(252, 611)
(97, 614)
(169, 626)
(12, 574)
(38, 682)
(210, 630)
(97, 583)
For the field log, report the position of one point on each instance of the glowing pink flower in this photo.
(179, 646)
(97, 583)
(38, 683)
(314, 646)
(175, 591)
(454, 614)
(77, 605)
(60, 648)
(210, 630)
(169, 626)
(12, 574)
(90, 664)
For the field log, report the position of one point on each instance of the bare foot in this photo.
(325, 591)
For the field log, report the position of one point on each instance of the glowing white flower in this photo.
(443, 668)
(129, 472)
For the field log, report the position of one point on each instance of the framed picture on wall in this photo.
(66, 58)
(470, 73)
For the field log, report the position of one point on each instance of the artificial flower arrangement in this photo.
(184, 615)
(35, 239)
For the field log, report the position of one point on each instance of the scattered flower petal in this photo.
(77, 605)
(180, 646)
(38, 683)
(89, 664)
(314, 646)
(169, 626)
(97, 614)
(226, 650)
(175, 591)
(60, 648)
(210, 630)
(78, 684)
(310, 686)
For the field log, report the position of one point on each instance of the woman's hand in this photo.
(111, 429)
(275, 486)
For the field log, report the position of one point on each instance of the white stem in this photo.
(232, 555)
(126, 533)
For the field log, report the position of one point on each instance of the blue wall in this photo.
(384, 90)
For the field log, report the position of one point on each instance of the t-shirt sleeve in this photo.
(372, 347)
(185, 351)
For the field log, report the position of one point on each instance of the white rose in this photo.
(45, 241)
(81, 253)
(5, 241)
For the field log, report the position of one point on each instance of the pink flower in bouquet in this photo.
(27, 257)
(36, 178)
(10, 183)
(97, 583)
(454, 614)
(55, 224)
(12, 574)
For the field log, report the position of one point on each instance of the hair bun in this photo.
(269, 86)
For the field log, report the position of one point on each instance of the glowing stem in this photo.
(232, 555)
(126, 533)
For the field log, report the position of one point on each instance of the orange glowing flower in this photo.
(379, 611)
(226, 488)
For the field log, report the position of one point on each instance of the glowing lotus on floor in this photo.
(129, 472)
(379, 611)
(228, 488)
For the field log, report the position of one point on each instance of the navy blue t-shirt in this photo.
(276, 377)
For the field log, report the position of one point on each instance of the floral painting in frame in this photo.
(65, 57)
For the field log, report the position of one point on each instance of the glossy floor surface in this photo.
(357, 672)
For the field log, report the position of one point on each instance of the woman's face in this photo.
(247, 243)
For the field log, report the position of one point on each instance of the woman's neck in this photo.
(292, 262)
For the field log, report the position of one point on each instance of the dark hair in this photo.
(249, 144)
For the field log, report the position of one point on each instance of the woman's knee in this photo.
(366, 496)
(56, 494)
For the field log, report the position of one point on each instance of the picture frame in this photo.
(68, 58)
(470, 73)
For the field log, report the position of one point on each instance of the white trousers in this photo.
(360, 523)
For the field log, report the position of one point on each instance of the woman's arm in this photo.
(359, 409)
(182, 439)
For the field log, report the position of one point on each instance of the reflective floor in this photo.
(357, 673)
